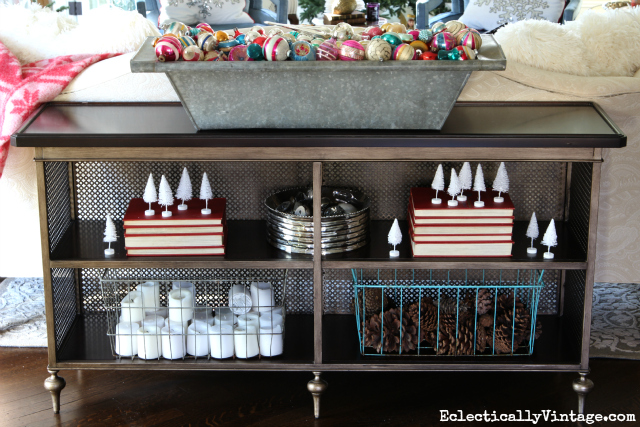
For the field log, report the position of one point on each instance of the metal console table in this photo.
(92, 158)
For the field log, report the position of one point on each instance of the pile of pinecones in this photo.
(400, 327)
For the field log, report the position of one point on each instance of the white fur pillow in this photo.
(597, 44)
(36, 33)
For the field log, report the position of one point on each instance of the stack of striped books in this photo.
(439, 230)
(184, 233)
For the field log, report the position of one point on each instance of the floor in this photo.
(140, 398)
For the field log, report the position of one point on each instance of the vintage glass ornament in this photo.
(442, 41)
(425, 36)
(177, 28)
(392, 39)
(222, 36)
(342, 32)
(351, 50)
(254, 51)
(343, 7)
(205, 27)
(428, 56)
(470, 38)
(419, 46)
(385, 27)
(276, 48)
(452, 54)
(274, 32)
(397, 27)
(415, 34)
(406, 38)
(192, 53)
(365, 45)
(260, 40)
(239, 53)
(207, 42)
(258, 29)
(214, 55)
(466, 53)
(404, 52)
(186, 41)
(327, 51)
(194, 32)
(304, 37)
(289, 37)
(240, 39)
(454, 27)
(303, 51)
(371, 32)
(251, 36)
(379, 50)
(228, 44)
(168, 49)
(317, 42)
(438, 27)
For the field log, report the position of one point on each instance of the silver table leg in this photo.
(55, 384)
(582, 386)
(317, 386)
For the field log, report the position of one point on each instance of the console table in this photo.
(93, 158)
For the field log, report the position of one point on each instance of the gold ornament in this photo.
(344, 7)
(397, 28)
(454, 27)
(385, 27)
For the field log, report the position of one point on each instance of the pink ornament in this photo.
(415, 34)
(168, 49)
(205, 27)
(276, 48)
(443, 41)
(239, 53)
(192, 53)
(351, 50)
(327, 51)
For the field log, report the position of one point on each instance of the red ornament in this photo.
(260, 41)
(236, 32)
(428, 56)
(371, 32)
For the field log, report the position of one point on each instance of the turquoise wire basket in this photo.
(447, 312)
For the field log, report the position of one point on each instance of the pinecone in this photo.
(465, 338)
(446, 341)
(486, 321)
(409, 331)
(373, 298)
(372, 333)
(448, 305)
(503, 339)
(392, 326)
(485, 301)
(428, 317)
(484, 338)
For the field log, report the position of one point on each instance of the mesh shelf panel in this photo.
(64, 302)
(107, 187)
(338, 285)
(534, 186)
(58, 200)
(580, 202)
(574, 291)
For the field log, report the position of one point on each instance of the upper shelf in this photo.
(515, 125)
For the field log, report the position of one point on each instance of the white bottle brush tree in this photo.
(205, 194)
(165, 196)
(549, 239)
(150, 195)
(110, 235)
(465, 179)
(454, 188)
(395, 237)
(438, 184)
(184, 191)
(501, 183)
(478, 185)
(533, 233)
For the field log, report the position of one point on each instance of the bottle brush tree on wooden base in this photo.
(465, 178)
(150, 195)
(533, 233)
(395, 237)
(165, 196)
(501, 183)
(454, 188)
(205, 194)
(438, 184)
(110, 235)
(478, 185)
(184, 191)
(549, 239)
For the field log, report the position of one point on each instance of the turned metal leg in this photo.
(582, 386)
(317, 386)
(55, 384)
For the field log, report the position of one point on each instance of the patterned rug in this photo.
(22, 320)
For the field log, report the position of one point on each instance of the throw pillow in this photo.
(490, 14)
(192, 12)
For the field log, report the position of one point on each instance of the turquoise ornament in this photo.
(240, 39)
(228, 43)
(254, 51)
(303, 51)
(425, 36)
(393, 39)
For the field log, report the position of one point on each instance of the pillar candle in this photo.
(150, 295)
(132, 310)
(271, 341)
(239, 299)
(271, 321)
(153, 320)
(180, 305)
(277, 310)
(203, 313)
(224, 316)
(187, 286)
(149, 342)
(262, 297)
(127, 339)
(197, 340)
(249, 319)
(177, 324)
(246, 341)
(161, 311)
(221, 341)
(173, 343)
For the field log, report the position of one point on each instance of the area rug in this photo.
(22, 319)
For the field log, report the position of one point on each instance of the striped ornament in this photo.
(276, 48)
(466, 53)
(186, 41)
(207, 42)
(454, 27)
(192, 53)
(168, 50)
(205, 27)
(327, 51)
(351, 50)
(404, 52)
(177, 28)
(442, 41)
(471, 39)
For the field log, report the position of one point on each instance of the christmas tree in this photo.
(150, 195)
(501, 183)
(165, 196)
(478, 185)
(205, 194)
(395, 237)
(109, 235)
(184, 191)
(438, 184)
(454, 188)
(550, 238)
(465, 179)
(532, 233)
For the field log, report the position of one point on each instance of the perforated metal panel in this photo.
(107, 187)
(64, 302)
(574, 291)
(338, 284)
(580, 202)
(58, 200)
(534, 186)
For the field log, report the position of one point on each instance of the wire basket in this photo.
(194, 313)
(447, 312)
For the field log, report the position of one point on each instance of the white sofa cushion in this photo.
(214, 12)
(490, 14)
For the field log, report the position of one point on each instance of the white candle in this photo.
(150, 295)
(153, 320)
(249, 319)
(277, 310)
(132, 310)
(176, 324)
(271, 321)
(180, 305)
(187, 286)
(221, 341)
(197, 340)
(239, 299)
(203, 313)
(246, 342)
(173, 343)
(126, 339)
(161, 311)
(271, 341)
(262, 297)
(224, 316)
(149, 342)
